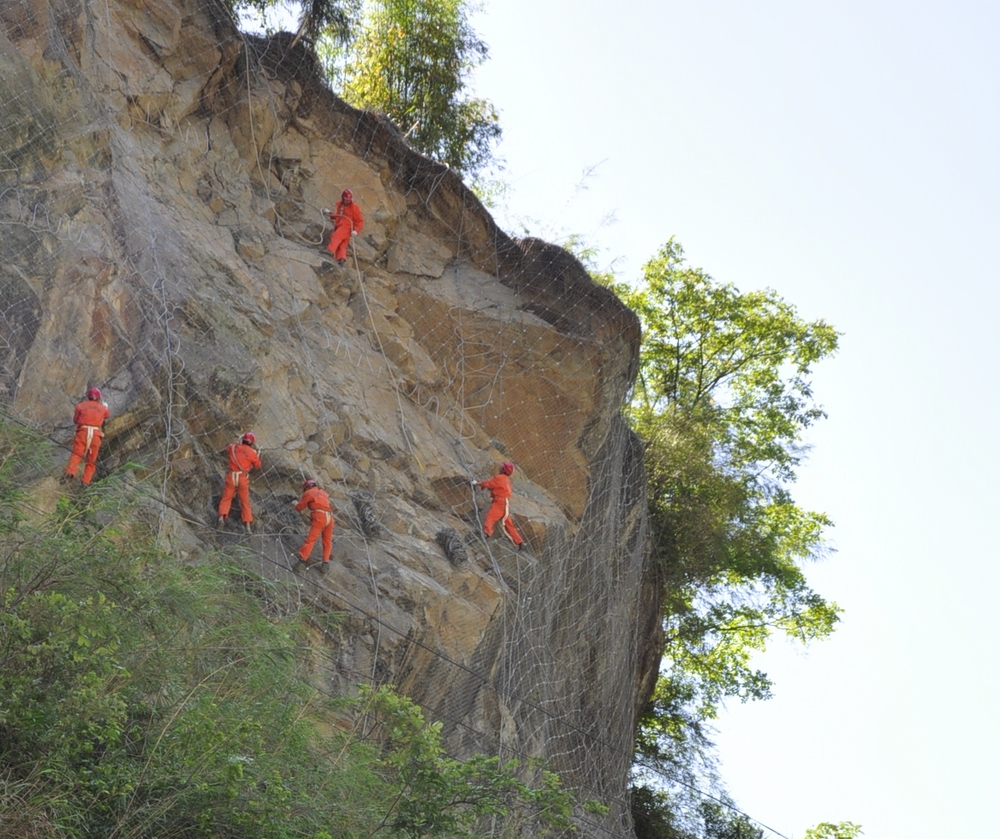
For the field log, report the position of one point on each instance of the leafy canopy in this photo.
(330, 18)
(655, 816)
(411, 60)
(722, 401)
(735, 363)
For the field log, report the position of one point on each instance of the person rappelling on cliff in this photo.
(320, 521)
(89, 416)
(347, 223)
(501, 489)
(242, 458)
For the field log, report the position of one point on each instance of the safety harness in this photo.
(235, 476)
(505, 519)
(90, 435)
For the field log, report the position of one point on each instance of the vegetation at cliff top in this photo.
(410, 60)
(140, 697)
(317, 18)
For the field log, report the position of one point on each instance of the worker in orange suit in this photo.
(347, 222)
(501, 490)
(89, 416)
(242, 458)
(321, 521)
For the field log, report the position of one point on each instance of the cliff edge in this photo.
(161, 179)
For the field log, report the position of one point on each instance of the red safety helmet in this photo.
(507, 467)
(347, 195)
(94, 393)
(308, 482)
(249, 438)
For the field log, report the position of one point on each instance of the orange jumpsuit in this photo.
(321, 520)
(346, 219)
(501, 490)
(89, 416)
(242, 458)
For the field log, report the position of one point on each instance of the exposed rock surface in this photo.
(160, 186)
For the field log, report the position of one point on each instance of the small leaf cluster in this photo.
(829, 830)
(656, 817)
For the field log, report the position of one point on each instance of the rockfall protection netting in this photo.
(161, 185)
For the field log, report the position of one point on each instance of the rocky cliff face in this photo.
(160, 185)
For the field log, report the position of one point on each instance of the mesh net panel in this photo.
(161, 184)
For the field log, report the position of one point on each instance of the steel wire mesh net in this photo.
(161, 184)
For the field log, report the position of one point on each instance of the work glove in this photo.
(325, 211)
(475, 483)
(354, 232)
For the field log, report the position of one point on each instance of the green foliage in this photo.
(736, 361)
(656, 815)
(410, 60)
(828, 830)
(490, 188)
(19, 457)
(330, 18)
(722, 401)
(723, 822)
(448, 797)
(653, 814)
(143, 698)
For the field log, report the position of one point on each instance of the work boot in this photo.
(66, 478)
(341, 262)
(299, 565)
(220, 522)
(324, 566)
(246, 526)
(523, 546)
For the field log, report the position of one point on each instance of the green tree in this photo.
(330, 18)
(722, 401)
(411, 60)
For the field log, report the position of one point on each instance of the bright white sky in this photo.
(846, 155)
